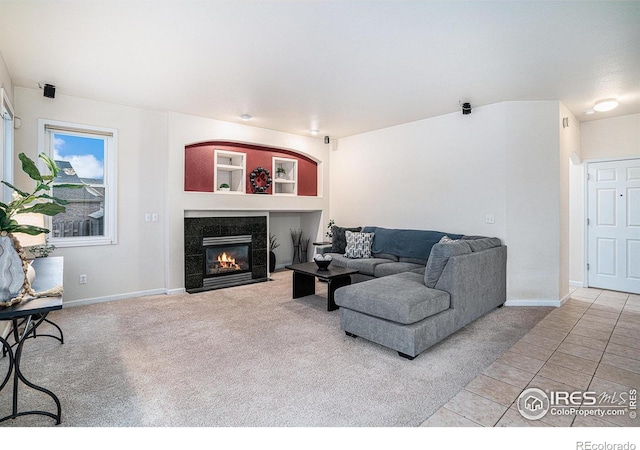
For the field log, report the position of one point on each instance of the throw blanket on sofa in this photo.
(406, 243)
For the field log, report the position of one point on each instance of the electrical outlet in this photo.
(147, 217)
(83, 279)
(154, 217)
(489, 218)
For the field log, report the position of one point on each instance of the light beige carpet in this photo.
(245, 356)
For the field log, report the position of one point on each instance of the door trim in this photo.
(585, 183)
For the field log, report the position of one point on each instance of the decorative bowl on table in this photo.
(322, 261)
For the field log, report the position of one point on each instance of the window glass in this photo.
(81, 160)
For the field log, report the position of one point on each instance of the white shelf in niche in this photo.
(287, 183)
(230, 168)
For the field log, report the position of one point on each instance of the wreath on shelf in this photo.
(260, 180)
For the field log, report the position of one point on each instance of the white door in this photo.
(613, 225)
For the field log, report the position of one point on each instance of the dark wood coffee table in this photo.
(304, 280)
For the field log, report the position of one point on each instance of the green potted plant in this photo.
(13, 262)
(280, 172)
(329, 233)
(224, 187)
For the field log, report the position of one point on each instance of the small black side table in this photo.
(304, 280)
(32, 312)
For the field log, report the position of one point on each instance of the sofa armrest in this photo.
(322, 249)
(476, 282)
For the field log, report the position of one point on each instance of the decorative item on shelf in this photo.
(322, 261)
(296, 238)
(224, 187)
(329, 233)
(14, 265)
(273, 244)
(304, 249)
(280, 172)
(260, 180)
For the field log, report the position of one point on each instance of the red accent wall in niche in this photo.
(198, 169)
(199, 158)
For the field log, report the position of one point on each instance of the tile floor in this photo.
(591, 342)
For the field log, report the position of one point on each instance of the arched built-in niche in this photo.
(206, 163)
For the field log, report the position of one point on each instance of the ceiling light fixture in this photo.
(605, 105)
(245, 117)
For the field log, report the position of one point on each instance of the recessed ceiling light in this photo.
(589, 112)
(245, 117)
(605, 105)
(315, 132)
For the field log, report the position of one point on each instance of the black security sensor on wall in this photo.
(327, 140)
(49, 90)
(466, 108)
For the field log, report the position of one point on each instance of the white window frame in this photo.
(6, 110)
(46, 128)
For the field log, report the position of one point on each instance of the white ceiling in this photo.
(343, 67)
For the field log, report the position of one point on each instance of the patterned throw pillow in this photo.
(358, 244)
(447, 240)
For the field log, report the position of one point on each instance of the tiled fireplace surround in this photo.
(196, 228)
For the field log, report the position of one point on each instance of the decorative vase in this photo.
(31, 273)
(11, 270)
(272, 261)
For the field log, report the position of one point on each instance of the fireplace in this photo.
(222, 252)
(227, 260)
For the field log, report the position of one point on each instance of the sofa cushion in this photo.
(339, 240)
(440, 254)
(408, 243)
(422, 262)
(385, 256)
(358, 244)
(384, 270)
(365, 266)
(401, 298)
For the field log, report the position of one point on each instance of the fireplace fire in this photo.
(227, 259)
(220, 260)
(226, 262)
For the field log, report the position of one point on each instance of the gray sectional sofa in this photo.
(409, 303)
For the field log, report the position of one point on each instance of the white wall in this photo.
(5, 79)
(135, 265)
(447, 173)
(569, 145)
(618, 137)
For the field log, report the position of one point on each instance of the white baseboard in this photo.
(578, 284)
(175, 291)
(109, 298)
(534, 302)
